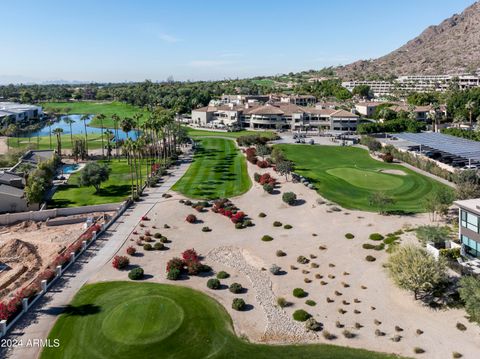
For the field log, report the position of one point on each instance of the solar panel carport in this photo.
(455, 146)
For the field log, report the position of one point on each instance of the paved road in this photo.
(37, 323)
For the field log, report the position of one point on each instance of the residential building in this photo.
(11, 112)
(417, 83)
(367, 109)
(12, 182)
(421, 112)
(300, 100)
(469, 226)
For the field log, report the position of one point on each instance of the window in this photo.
(469, 221)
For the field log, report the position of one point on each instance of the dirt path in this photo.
(3, 145)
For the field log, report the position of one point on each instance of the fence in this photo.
(38, 216)
(45, 285)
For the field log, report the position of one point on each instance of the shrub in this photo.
(190, 255)
(235, 288)
(256, 177)
(461, 327)
(348, 334)
(131, 251)
(370, 258)
(191, 218)
(377, 247)
(120, 262)
(136, 274)
(157, 235)
(379, 333)
(147, 247)
(239, 225)
(282, 302)
(299, 293)
(456, 355)
(310, 302)
(277, 224)
(302, 260)
(206, 229)
(158, 246)
(213, 283)
(288, 226)
(267, 187)
(300, 315)
(164, 240)
(262, 215)
(280, 253)
(376, 237)
(418, 350)
(327, 335)
(222, 275)
(349, 236)
(238, 304)
(175, 263)
(313, 325)
(289, 198)
(267, 238)
(173, 274)
(248, 223)
(387, 157)
(275, 270)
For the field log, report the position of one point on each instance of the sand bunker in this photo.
(394, 172)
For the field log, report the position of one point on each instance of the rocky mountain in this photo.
(451, 47)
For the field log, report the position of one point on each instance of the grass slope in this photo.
(150, 320)
(348, 176)
(95, 108)
(116, 189)
(218, 170)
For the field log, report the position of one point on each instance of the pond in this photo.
(78, 128)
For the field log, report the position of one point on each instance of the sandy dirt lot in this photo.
(3, 145)
(361, 289)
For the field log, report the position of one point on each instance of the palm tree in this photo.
(101, 117)
(470, 106)
(116, 120)
(136, 121)
(50, 122)
(84, 118)
(69, 121)
(58, 132)
(128, 148)
(109, 135)
(126, 125)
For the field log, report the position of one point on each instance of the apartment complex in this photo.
(469, 226)
(11, 112)
(416, 83)
(274, 115)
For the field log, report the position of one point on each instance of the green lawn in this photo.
(94, 108)
(150, 320)
(348, 176)
(218, 170)
(43, 142)
(116, 189)
(205, 133)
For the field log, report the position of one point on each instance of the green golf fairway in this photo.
(149, 320)
(349, 176)
(218, 170)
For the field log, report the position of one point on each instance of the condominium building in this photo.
(416, 83)
(276, 115)
(469, 226)
(11, 112)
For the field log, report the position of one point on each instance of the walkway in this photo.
(37, 323)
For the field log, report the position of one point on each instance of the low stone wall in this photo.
(40, 216)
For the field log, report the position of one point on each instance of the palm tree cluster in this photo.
(155, 144)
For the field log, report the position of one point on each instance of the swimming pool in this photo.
(67, 169)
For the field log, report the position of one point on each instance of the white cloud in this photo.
(231, 54)
(168, 38)
(208, 63)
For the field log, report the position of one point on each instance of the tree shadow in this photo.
(81, 310)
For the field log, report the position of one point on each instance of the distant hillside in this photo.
(453, 46)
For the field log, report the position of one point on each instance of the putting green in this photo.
(148, 319)
(125, 320)
(349, 176)
(367, 179)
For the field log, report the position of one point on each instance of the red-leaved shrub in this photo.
(175, 263)
(191, 218)
(190, 255)
(131, 251)
(120, 262)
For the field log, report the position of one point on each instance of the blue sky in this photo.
(128, 40)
